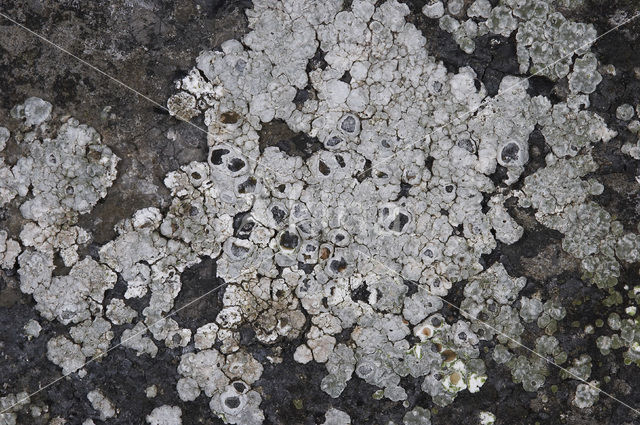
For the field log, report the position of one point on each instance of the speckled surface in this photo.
(149, 45)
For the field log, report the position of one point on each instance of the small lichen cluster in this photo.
(625, 112)
(62, 174)
(562, 200)
(102, 404)
(165, 415)
(489, 299)
(10, 405)
(586, 395)
(626, 332)
(546, 40)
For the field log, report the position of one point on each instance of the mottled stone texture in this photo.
(151, 44)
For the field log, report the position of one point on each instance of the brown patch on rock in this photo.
(549, 262)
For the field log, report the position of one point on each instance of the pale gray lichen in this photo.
(201, 371)
(72, 298)
(205, 336)
(487, 418)
(417, 416)
(94, 336)
(552, 312)
(507, 229)
(568, 129)
(561, 198)
(632, 150)
(340, 365)
(102, 404)
(66, 354)
(4, 137)
(238, 404)
(531, 369)
(488, 298)
(10, 405)
(334, 416)
(625, 112)
(580, 368)
(9, 250)
(320, 343)
(226, 381)
(546, 40)
(586, 395)
(119, 313)
(136, 339)
(34, 111)
(585, 78)
(32, 329)
(530, 309)
(343, 114)
(165, 415)
(302, 253)
(433, 9)
(531, 372)
(627, 332)
(63, 173)
(151, 391)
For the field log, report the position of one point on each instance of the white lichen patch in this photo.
(32, 329)
(72, 298)
(102, 404)
(10, 405)
(64, 171)
(151, 391)
(119, 313)
(336, 417)
(165, 415)
(66, 354)
(625, 112)
(4, 137)
(136, 339)
(487, 418)
(562, 202)
(9, 251)
(356, 121)
(546, 40)
(586, 395)
(34, 111)
(238, 404)
(489, 298)
(417, 416)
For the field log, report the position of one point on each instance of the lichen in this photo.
(350, 252)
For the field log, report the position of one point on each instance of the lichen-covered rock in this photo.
(165, 415)
(66, 354)
(237, 404)
(586, 395)
(101, 404)
(350, 249)
(34, 111)
(417, 416)
(625, 112)
(70, 299)
(336, 417)
(9, 250)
